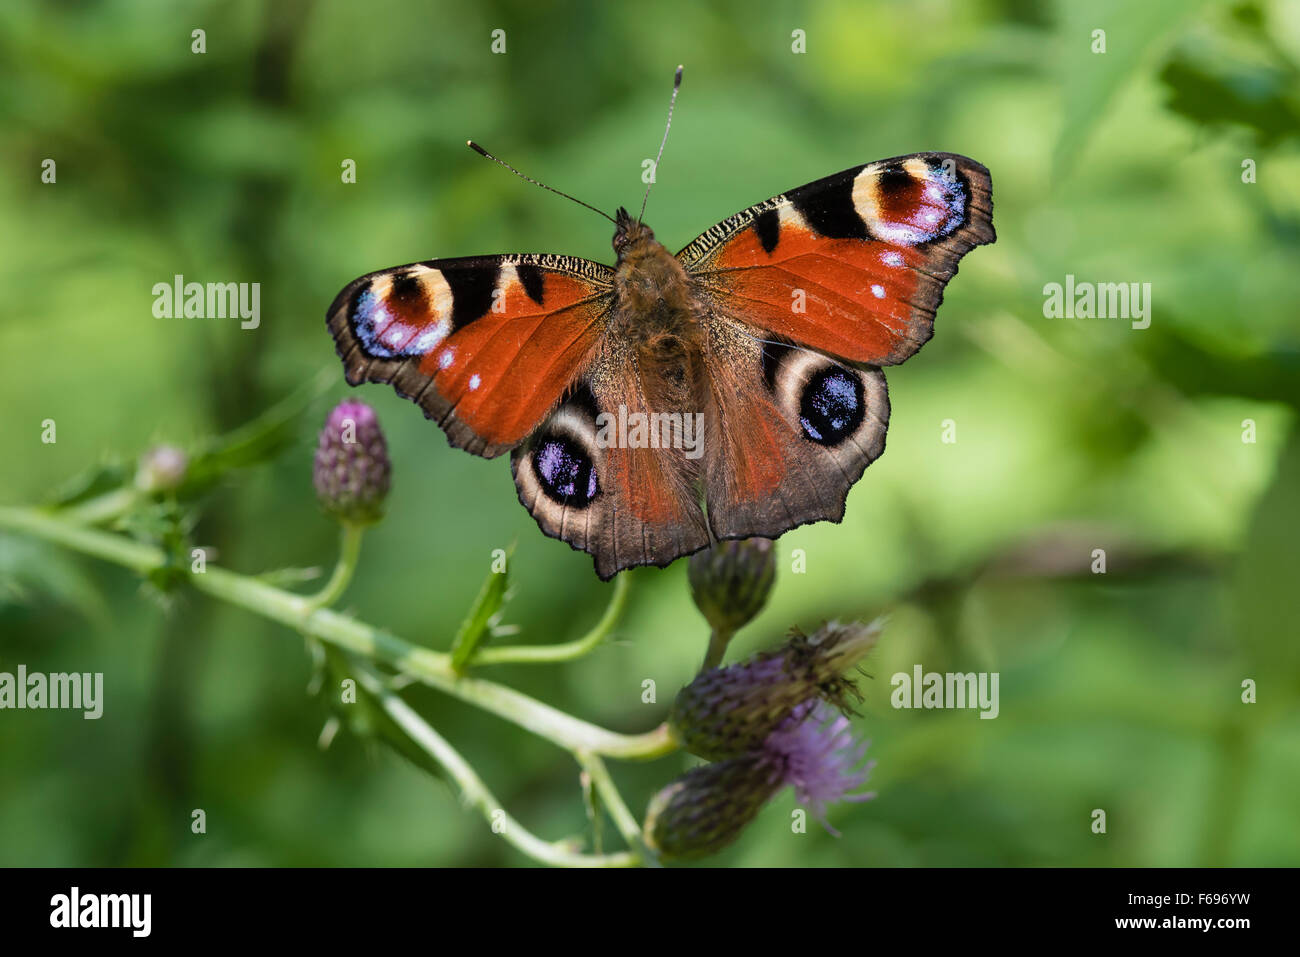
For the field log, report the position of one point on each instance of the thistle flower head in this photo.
(352, 470)
(706, 809)
(161, 469)
(731, 711)
(731, 580)
(816, 751)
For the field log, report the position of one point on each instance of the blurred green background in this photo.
(1119, 691)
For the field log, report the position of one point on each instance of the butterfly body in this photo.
(653, 295)
(733, 389)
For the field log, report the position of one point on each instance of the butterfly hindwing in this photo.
(485, 345)
(608, 473)
(789, 431)
(853, 265)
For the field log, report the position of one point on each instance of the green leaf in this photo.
(367, 718)
(1236, 94)
(1238, 75)
(474, 629)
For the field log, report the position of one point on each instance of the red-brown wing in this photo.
(485, 345)
(807, 295)
(852, 265)
(613, 470)
(788, 429)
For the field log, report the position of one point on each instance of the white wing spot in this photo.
(430, 338)
(878, 292)
(474, 381)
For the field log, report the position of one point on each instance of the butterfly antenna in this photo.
(677, 85)
(482, 152)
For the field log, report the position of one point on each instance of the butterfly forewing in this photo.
(852, 265)
(487, 346)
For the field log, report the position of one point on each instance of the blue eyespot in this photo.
(564, 471)
(832, 406)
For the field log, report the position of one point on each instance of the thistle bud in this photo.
(706, 809)
(731, 580)
(727, 712)
(161, 469)
(352, 471)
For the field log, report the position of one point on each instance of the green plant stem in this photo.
(566, 651)
(429, 667)
(476, 793)
(350, 535)
(718, 641)
(623, 818)
(89, 541)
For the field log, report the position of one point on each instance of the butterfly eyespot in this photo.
(565, 471)
(831, 407)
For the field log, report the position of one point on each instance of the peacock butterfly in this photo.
(768, 331)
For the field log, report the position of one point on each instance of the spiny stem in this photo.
(429, 667)
(476, 793)
(618, 810)
(89, 541)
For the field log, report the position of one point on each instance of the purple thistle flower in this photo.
(727, 712)
(816, 751)
(352, 471)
